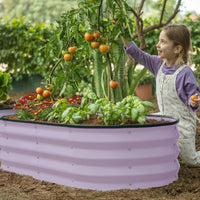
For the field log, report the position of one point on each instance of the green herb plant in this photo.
(130, 108)
(64, 112)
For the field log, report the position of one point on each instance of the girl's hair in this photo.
(180, 35)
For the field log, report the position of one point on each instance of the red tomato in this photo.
(39, 90)
(103, 48)
(88, 37)
(97, 34)
(114, 84)
(46, 94)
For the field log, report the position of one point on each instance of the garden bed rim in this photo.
(6, 108)
(175, 121)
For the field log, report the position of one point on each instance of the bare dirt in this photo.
(18, 187)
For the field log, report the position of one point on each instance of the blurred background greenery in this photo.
(50, 10)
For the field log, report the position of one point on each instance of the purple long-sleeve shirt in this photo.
(186, 84)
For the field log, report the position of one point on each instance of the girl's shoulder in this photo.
(186, 69)
(187, 73)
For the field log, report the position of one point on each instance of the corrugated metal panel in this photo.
(88, 158)
(7, 111)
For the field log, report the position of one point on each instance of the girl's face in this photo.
(166, 49)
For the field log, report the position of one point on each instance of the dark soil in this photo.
(17, 187)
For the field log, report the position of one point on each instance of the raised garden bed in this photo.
(6, 111)
(92, 157)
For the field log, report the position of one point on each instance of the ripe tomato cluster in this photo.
(68, 54)
(41, 94)
(97, 41)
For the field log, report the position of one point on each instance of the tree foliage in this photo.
(36, 10)
(23, 46)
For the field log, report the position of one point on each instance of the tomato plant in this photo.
(91, 32)
(96, 23)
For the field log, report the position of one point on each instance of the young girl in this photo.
(175, 84)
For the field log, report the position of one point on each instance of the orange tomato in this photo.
(103, 48)
(193, 97)
(114, 84)
(39, 90)
(68, 57)
(96, 34)
(88, 37)
(46, 94)
(95, 45)
(72, 50)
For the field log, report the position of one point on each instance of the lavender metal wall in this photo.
(88, 158)
(7, 111)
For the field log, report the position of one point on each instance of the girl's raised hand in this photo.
(126, 43)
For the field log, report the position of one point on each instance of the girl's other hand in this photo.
(126, 43)
(194, 100)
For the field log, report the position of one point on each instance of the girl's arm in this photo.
(126, 43)
(152, 63)
(187, 86)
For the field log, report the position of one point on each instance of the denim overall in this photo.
(171, 105)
